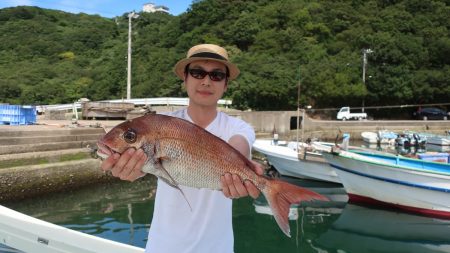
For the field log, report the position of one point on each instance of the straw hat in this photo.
(206, 52)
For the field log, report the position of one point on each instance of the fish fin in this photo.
(281, 195)
(170, 181)
(155, 156)
(177, 187)
(185, 198)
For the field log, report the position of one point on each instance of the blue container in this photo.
(17, 115)
(435, 157)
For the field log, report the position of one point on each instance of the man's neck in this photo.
(202, 116)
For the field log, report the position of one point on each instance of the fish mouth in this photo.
(104, 151)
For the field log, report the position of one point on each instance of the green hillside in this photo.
(49, 56)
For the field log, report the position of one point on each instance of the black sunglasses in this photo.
(213, 75)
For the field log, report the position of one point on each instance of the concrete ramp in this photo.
(36, 161)
(24, 140)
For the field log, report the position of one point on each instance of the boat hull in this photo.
(417, 190)
(29, 234)
(286, 162)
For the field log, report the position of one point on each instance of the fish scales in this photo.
(182, 153)
(201, 168)
(196, 159)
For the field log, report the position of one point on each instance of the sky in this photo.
(104, 8)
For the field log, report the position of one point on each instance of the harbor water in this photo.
(122, 211)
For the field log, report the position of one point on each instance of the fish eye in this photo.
(130, 136)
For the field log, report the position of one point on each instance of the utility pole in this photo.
(365, 52)
(130, 16)
(298, 108)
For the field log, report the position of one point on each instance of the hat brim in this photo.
(181, 65)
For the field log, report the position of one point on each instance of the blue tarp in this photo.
(17, 115)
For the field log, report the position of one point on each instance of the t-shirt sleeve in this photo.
(245, 130)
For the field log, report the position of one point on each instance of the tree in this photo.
(276, 44)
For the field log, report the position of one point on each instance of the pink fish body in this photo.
(181, 153)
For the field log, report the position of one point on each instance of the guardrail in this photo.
(137, 101)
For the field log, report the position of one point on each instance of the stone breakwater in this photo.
(36, 160)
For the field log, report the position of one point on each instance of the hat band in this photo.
(209, 55)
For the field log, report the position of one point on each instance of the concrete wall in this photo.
(264, 122)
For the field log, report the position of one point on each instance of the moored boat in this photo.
(287, 161)
(380, 137)
(415, 185)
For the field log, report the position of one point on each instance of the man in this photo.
(207, 226)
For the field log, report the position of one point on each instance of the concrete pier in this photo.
(40, 159)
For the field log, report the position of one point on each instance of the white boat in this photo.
(415, 185)
(369, 137)
(31, 235)
(286, 160)
(380, 137)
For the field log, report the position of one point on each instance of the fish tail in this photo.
(281, 195)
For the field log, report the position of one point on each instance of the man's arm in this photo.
(232, 185)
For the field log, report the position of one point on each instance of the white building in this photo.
(151, 7)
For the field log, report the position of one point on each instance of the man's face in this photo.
(204, 91)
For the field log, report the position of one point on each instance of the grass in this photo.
(44, 160)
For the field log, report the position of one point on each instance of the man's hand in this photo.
(127, 166)
(233, 187)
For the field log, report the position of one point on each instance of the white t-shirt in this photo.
(207, 228)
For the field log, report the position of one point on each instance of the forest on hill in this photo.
(49, 56)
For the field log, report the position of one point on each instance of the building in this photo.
(151, 7)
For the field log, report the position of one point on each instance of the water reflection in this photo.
(437, 148)
(258, 231)
(363, 229)
(337, 226)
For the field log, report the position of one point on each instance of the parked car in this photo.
(431, 113)
(345, 114)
